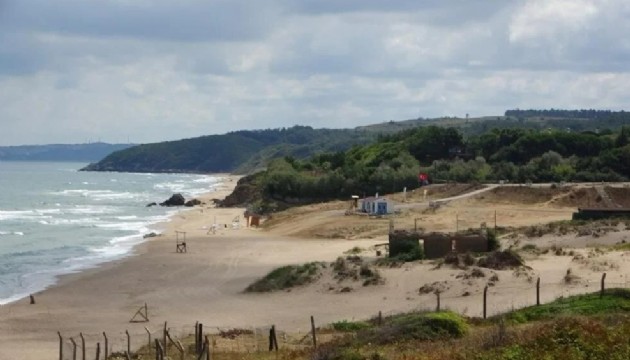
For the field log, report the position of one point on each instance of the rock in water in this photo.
(175, 200)
(151, 204)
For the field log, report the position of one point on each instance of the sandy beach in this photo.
(206, 283)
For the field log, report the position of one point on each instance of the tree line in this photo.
(394, 162)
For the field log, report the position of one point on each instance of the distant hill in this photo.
(60, 152)
(250, 150)
(241, 151)
(570, 120)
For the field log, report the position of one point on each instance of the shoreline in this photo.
(206, 284)
(16, 312)
(136, 240)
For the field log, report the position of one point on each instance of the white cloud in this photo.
(160, 69)
(550, 19)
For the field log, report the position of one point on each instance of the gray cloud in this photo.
(153, 70)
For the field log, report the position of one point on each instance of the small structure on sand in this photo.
(434, 244)
(251, 219)
(377, 206)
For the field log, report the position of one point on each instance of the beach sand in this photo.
(206, 284)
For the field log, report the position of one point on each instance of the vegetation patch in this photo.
(287, 277)
(350, 326)
(500, 260)
(353, 268)
(416, 326)
(613, 301)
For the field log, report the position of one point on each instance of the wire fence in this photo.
(481, 302)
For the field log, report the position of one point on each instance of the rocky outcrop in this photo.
(193, 202)
(175, 200)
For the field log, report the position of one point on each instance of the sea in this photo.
(56, 220)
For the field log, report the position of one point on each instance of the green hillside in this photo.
(240, 151)
(248, 151)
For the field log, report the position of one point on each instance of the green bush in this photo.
(493, 240)
(349, 326)
(287, 277)
(417, 326)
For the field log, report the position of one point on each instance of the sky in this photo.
(75, 71)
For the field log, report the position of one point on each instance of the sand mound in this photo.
(501, 260)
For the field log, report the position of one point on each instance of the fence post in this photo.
(603, 285)
(437, 308)
(538, 291)
(60, 346)
(313, 331)
(380, 318)
(98, 351)
(208, 348)
(197, 337)
(159, 352)
(149, 335)
(485, 298)
(271, 338)
(128, 341)
(275, 338)
(74, 349)
(82, 346)
(165, 352)
(106, 345)
(204, 351)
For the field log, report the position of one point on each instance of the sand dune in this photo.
(206, 283)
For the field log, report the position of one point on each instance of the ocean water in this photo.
(56, 220)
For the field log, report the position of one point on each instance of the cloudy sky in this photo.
(73, 71)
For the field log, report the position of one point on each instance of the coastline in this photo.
(14, 334)
(206, 284)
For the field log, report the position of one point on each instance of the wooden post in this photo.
(275, 338)
(165, 352)
(127, 356)
(128, 341)
(495, 222)
(74, 349)
(60, 346)
(437, 308)
(106, 345)
(538, 291)
(204, 351)
(181, 350)
(200, 338)
(149, 335)
(82, 346)
(197, 337)
(98, 351)
(456, 223)
(271, 338)
(159, 351)
(601, 294)
(380, 318)
(485, 298)
(32, 299)
(208, 348)
(313, 331)
(146, 312)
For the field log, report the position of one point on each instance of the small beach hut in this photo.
(377, 206)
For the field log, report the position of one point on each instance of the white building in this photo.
(377, 206)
